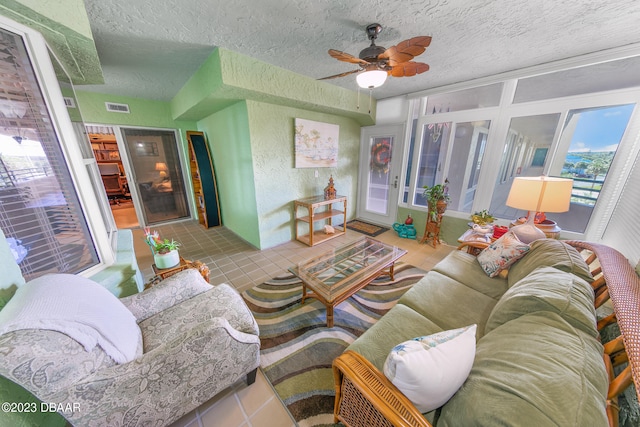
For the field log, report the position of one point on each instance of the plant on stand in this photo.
(165, 252)
(437, 199)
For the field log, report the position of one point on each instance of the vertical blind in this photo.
(625, 218)
(40, 213)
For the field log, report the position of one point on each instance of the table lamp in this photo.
(162, 169)
(538, 194)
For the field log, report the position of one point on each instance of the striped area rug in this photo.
(297, 347)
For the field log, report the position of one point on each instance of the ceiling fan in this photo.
(376, 62)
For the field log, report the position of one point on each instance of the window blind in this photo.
(40, 213)
(625, 218)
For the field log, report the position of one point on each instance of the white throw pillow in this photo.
(78, 307)
(430, 369)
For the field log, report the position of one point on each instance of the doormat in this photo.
(366, 227)
(297, 348)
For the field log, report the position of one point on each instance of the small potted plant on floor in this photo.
(165, 252)
(437, 199)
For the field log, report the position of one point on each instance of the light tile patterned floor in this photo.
(234, 261)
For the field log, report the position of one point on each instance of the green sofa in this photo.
(538, 361)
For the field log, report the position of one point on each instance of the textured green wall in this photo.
(253, 154)
(227, 77)
(228, 136)
(278, 182)
(247, 109)
(144, 112)
(71, 13)
(65, 27)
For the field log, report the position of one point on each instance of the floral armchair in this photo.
(197, 340)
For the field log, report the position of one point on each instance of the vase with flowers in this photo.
(165, 251)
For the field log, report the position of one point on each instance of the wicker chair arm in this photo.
(623, 288)
(379, 402)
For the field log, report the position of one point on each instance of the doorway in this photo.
(113, 174)
(156, 174)
(381, 154)
(141, 174)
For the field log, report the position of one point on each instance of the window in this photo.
(40, 211)
(570, 123)
(595, 135)
(467, 99)
(435, 141)
(528, 138)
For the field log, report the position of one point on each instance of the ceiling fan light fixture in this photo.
(371, 79)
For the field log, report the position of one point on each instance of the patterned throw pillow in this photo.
(502, 253)
(430, 369)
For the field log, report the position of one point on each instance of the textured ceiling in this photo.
(149, 48)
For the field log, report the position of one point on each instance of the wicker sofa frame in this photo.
(365, 397)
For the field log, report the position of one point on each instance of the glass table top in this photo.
(338, 270)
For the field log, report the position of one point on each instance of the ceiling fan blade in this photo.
(341, 74)
(346, 57)
(405, 51)
(408, 69)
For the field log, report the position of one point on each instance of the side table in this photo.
(318, 211)
(163, 273)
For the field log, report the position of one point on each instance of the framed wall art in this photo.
(316, 144)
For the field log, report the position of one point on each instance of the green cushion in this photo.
(449, 303)
(549, 253)
(464, 268)
(548, 289)
(536, 370)
(400, 324)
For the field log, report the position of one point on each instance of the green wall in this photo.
(65, 27)
(227, 77)
(228, 136)
(278, 182)
(252, 145)
(148, 113)
(247, 109)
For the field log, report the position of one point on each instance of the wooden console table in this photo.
(318, 211)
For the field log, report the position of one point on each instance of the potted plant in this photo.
(437, 199)
(165, 252)
(482, 218)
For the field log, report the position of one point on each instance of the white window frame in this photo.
(48, 83)
(501, 116)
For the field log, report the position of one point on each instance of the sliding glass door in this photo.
(157, 176)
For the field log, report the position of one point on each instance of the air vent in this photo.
(117, 108)
(69, 102)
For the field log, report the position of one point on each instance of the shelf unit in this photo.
(318, 211)
(106, 151)
(203, 180)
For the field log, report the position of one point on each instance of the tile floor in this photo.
(234, 261)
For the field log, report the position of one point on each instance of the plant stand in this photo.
(432, 231)
(434, 221)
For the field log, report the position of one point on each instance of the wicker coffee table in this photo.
(337, 274)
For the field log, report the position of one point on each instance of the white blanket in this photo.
(79, 308)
